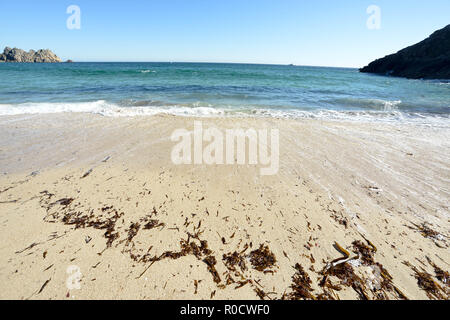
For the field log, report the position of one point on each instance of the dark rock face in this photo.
(429, 59)
(19, 55)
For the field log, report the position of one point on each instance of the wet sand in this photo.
(100, 195)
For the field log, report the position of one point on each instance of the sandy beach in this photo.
(356, 211)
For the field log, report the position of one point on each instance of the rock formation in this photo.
(19, 55)
(429, 59)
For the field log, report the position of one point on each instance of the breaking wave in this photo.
(388, 114)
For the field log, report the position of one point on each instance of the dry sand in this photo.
(139, 227)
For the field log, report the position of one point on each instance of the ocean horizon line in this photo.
(219, 63)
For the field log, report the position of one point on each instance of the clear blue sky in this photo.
(306, 32)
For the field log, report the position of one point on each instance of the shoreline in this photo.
(392, 118)
(339, 182)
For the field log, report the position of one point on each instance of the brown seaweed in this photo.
(133, 231)
(301, 285)
(262, 259)
(196, 286)
(65, 202)
(260, 293)
(44, 285)
(346, 274)
(80, 221)
(342, 270)
(202, 253)
(366, 254)
(441, 275)
(426, 231)
(151, 224)
(425, 282)
(87, 173)
(211, 263)
(231, 260)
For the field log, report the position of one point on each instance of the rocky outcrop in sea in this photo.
(429, 59)
(19, 55)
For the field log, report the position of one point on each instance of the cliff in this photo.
(429, 59)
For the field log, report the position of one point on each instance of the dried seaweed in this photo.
(260, 293)
(31, 246)
(301, 285)
(262, 259)
(231, 260)
(65, 202)
(133, 231)
(111, 236)
(79, 220)
(366, 254)
(348, 277)
(379, 285)
(151, 224)
(441, 275)
(339, 218)
(107, 221)
(196, 286)
(325, 296)
(426, 231)
(242, 284)
(202, 253)
(337, 275)
(211, 263)
(87, 173)
(425, 282)
(44, 285)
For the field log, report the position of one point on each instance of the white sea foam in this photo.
(106, 109)
(101, 107)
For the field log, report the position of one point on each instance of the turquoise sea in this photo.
(202, 89)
